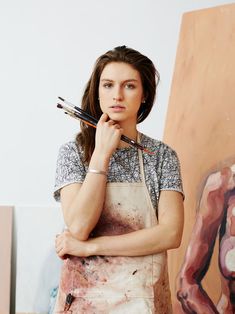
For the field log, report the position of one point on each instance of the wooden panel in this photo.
(200, 122)
(5, 257)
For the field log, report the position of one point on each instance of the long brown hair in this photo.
(90, 103)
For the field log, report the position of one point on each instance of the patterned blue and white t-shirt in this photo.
(162, 169)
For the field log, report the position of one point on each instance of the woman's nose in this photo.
(116, 98)
(118, 95)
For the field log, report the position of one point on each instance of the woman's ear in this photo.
(144, 97)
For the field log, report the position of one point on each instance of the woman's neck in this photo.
(131, 133)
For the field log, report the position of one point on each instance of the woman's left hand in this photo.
(66, 244)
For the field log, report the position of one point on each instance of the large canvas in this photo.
(5, 257)
(200, 126)
(37, 265)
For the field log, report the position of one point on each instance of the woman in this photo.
(123, 208)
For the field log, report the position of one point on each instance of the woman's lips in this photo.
(117, 108)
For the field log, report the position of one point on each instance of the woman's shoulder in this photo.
(70, 147)
(70, 151)
(156, 146)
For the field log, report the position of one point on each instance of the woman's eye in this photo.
(107, 85)
(130, 86)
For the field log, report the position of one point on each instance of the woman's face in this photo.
(120, 92)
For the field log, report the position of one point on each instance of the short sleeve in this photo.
(170, 172)
(69, 168)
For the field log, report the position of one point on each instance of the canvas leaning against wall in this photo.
(5, 257)
(200, 126)
(38, 266)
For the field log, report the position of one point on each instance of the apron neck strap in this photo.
(141, 162)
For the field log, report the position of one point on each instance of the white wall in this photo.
(48, 49)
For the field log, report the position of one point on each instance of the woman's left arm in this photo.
(165, 235)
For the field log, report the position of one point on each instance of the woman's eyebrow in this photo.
(128, 80)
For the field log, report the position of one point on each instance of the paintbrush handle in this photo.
(86, 114)
(79, 113)
(79, 117)
(131, 142)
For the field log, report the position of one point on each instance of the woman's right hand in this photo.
(108, 134)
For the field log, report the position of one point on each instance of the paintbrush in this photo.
(80, 114)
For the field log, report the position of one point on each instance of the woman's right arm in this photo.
(82, 204)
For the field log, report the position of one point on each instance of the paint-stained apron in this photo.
(118, 284)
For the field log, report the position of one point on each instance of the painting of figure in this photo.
(200, 126)
(215, 217)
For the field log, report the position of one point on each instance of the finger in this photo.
(111, 122)
(58, 244)
(117, 126)
(104, 117)
(57, 240)
(62, 254)
(58, 249)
